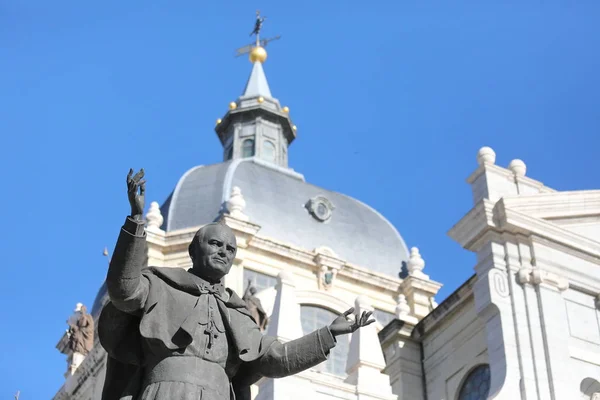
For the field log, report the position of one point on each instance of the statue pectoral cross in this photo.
(210, 330)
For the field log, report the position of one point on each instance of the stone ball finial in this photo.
(518, 167)
(154, 218)
(402, 307)
(416, 263)
(236, 204)
(285, 278)
(486, 155)
(362, 303)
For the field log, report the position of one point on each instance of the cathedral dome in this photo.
(288, 209)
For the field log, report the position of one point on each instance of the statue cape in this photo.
(170, 323)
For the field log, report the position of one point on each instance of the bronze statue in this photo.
(81, 333)
(254, 305)
(176, 334)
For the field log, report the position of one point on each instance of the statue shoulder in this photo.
(234, 299)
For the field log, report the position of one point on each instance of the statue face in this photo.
(216, 250)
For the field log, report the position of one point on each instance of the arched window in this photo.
(248, 148)
(314, 318)
(477, 384)
(268, 151)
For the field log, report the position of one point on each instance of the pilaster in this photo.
(493, 304)
(403, 360)
(552, 330)
(285, 324)
(417, 288)
(419, 293)
(365, 359)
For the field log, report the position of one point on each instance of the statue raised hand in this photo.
(136, 188)
(343, 325)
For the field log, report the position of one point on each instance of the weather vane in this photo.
(256, 49)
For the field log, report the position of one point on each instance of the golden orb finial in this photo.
(219, 121)
(260, 99)
(294, 128)
(259, 54)
(232, 105)
(286, 109)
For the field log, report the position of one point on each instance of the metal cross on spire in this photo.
(256, 49)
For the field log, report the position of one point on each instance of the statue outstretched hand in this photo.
(343, 325)
(136, 187)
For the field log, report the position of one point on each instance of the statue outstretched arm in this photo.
(127, 288)
(284, 359)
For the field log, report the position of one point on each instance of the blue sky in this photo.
(392, 102)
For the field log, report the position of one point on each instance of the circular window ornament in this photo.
(320, 208)
(477, 384)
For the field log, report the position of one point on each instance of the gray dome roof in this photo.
(276, 200)
(100, 300)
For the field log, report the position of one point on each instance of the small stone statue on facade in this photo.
(173, 334)
(255, 307)
(81, 336)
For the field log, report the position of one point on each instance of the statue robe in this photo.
(167, 325)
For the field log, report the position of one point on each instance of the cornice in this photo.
(451, 303)
(486, 216)
(272, 246)
(510, 176)
(80, 381)
(518, 222)
(489, 168)
(396, 330)
(245, 231)
(414, 283)
(474, 224)
(364, 275)
(557, 205)
(309, 259)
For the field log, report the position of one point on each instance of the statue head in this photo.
(213, 250)
(252, 290)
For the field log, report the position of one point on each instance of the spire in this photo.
(256, 125)
(257, 84)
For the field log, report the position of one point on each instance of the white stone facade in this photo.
(531, 311)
